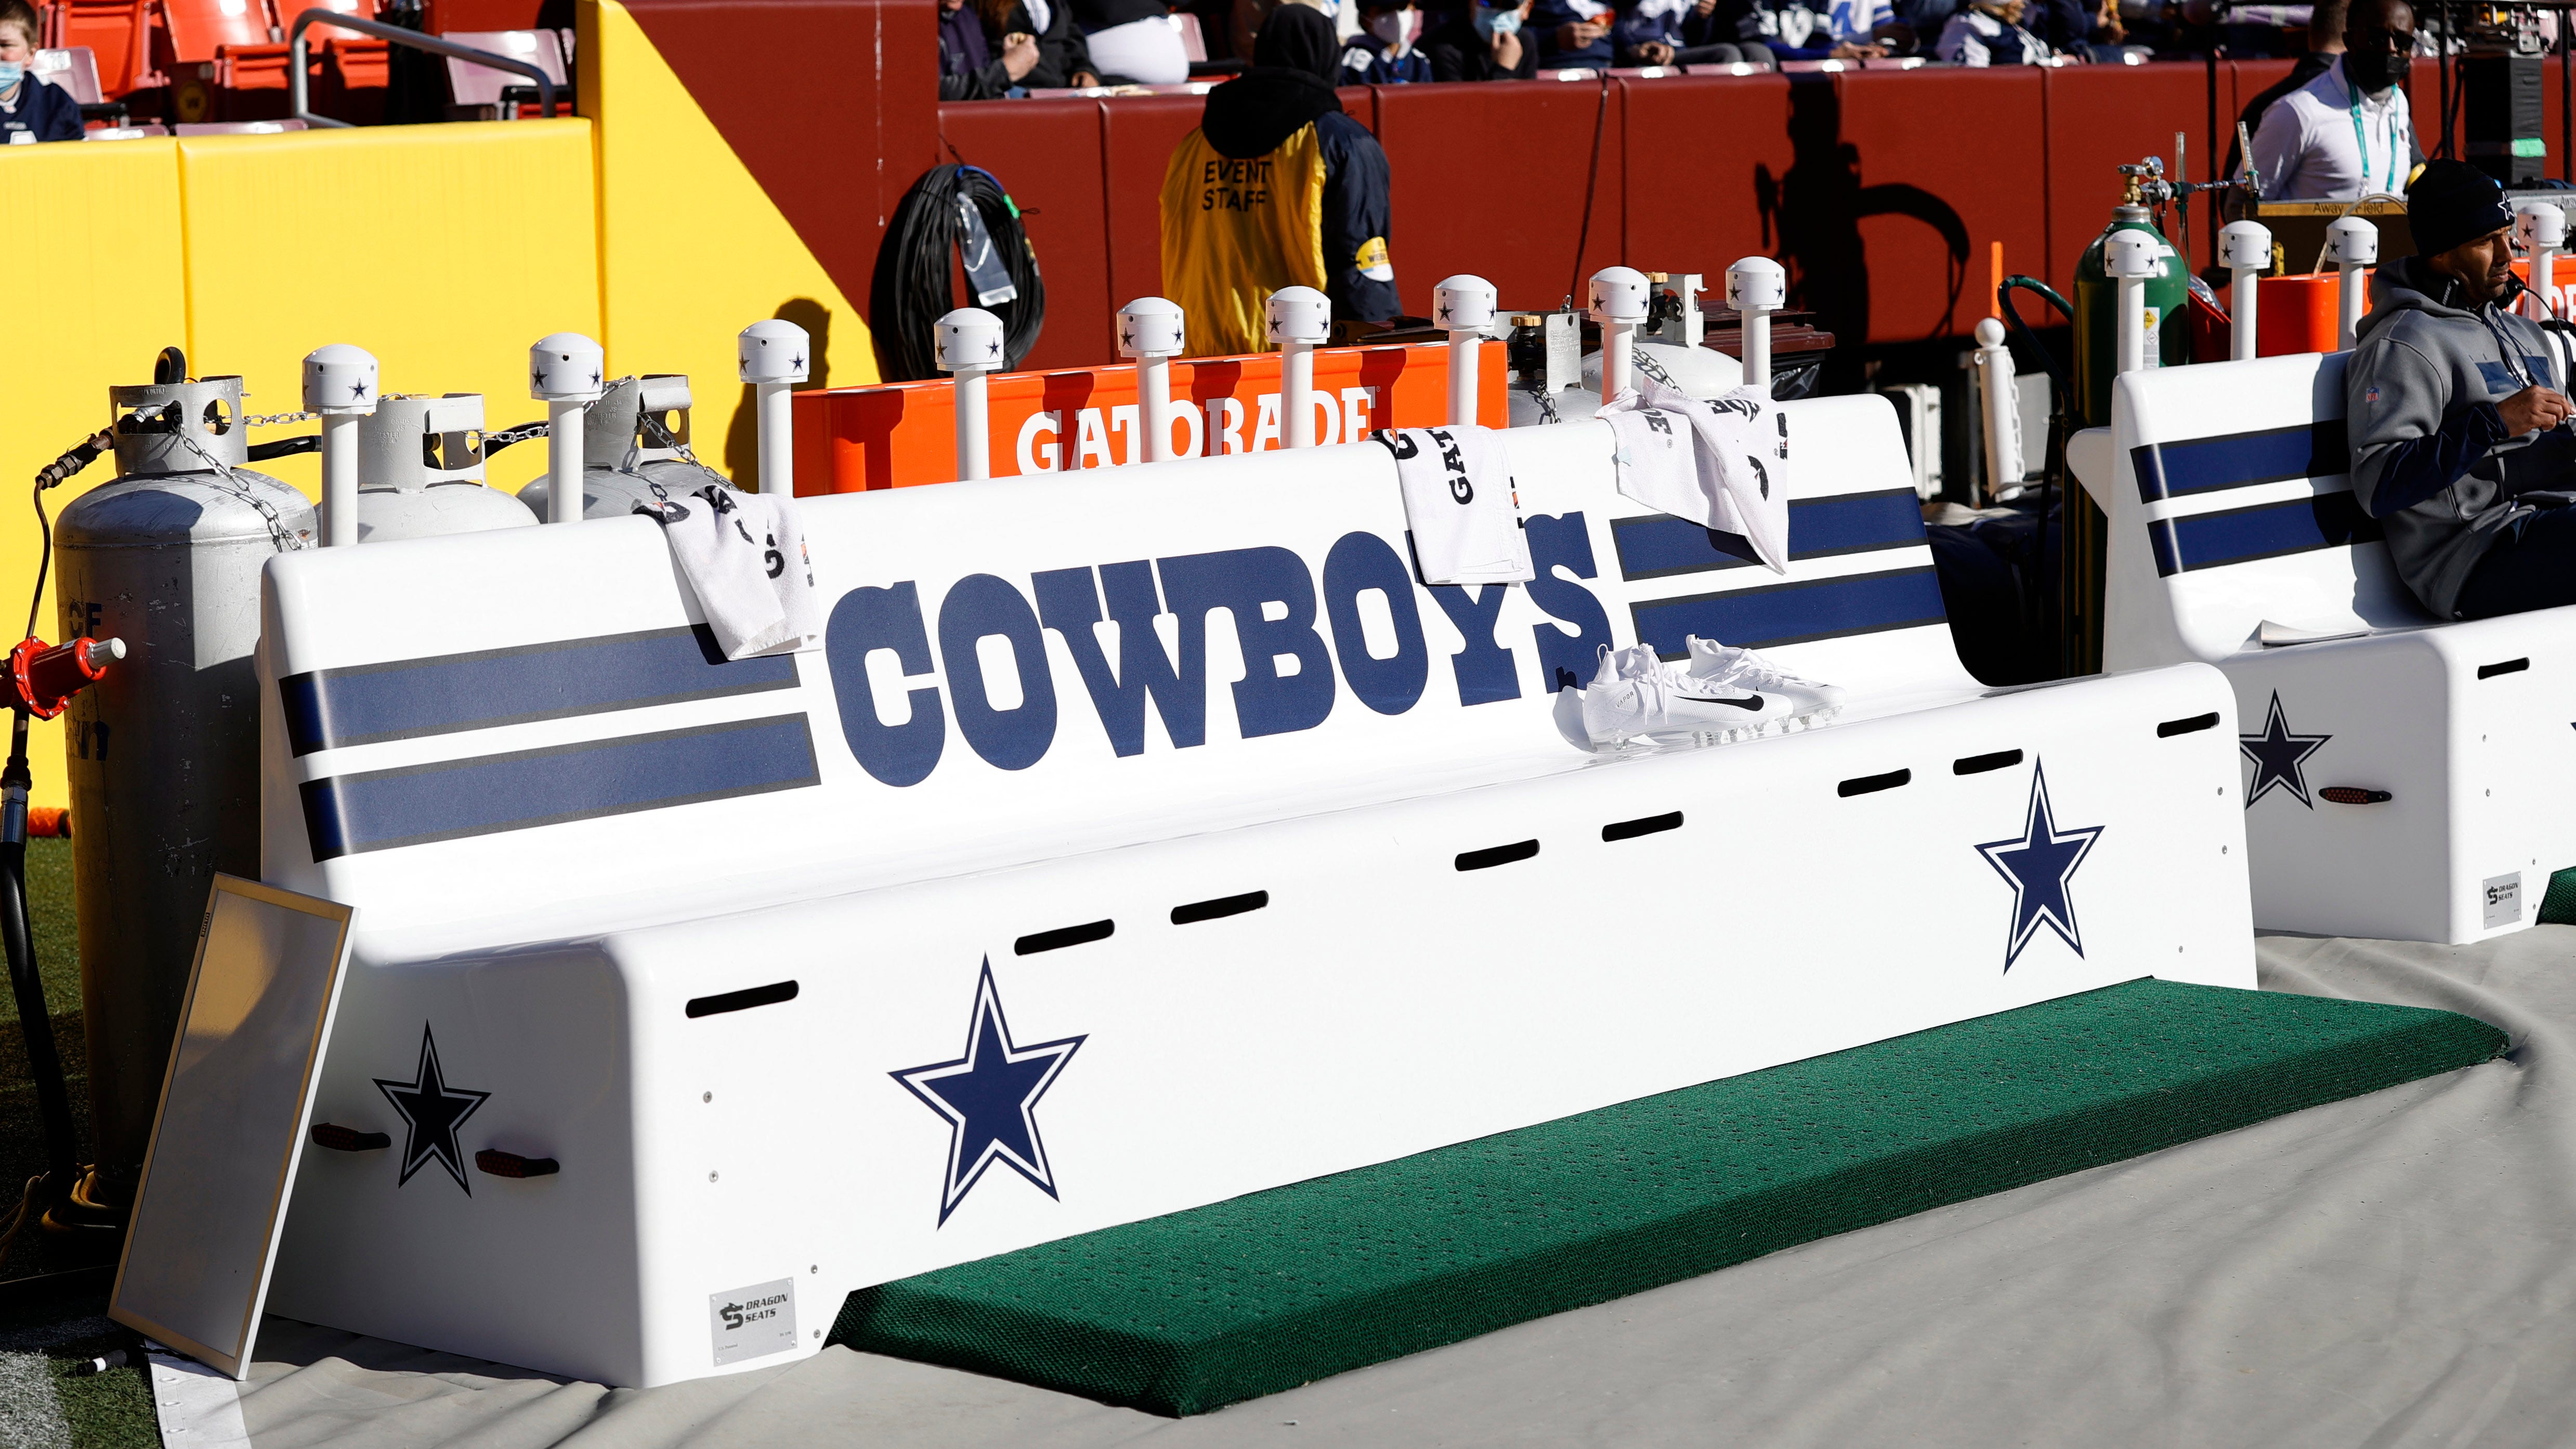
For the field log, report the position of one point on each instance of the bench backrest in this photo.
(2231, 506)
(519, 735)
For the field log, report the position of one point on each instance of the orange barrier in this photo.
(851, 439)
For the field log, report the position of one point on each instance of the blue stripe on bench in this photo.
(1658, 545)
(452, 799)
(2241, 460)
(409, 698)
(1793, 613)
(2269, 530)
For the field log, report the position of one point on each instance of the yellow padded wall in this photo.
(444, 250)
(694, 249)
(99, 293)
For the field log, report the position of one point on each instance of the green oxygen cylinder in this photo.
(2097, 318)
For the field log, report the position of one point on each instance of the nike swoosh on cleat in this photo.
(1750, 701)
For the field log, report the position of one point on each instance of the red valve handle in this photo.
(46, 677)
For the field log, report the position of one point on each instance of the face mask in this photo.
(10, 73)
(1390, 25)
(1490, 23)
(2376, 70)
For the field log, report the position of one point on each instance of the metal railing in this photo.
(297, 82)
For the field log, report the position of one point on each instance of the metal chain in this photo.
(271, 420)
(654, 426)
(1546, 404)
(279, 536)
(1646, 364)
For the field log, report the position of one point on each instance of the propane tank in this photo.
(420, 471)
(1671, 349)
(1549, 370)
(632, 439)
(2097, 316)
(162, 755)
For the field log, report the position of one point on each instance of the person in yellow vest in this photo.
(1276, 188)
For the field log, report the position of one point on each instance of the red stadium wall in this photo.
(1881, 191)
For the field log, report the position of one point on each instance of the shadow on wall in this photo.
(1811, 218)
(742, 438)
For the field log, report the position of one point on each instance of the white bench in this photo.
(733, 943)
(2409, 780)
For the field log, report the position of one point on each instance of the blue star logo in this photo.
(989, 1099)
(2277, 755)
(2039, 862)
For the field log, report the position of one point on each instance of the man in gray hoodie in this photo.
(2460, 436)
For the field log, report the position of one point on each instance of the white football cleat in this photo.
(1722, 666)
(1637, 696)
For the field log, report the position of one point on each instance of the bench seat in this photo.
(957, 935)
(2405, 778)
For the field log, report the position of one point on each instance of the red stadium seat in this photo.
(117, 34)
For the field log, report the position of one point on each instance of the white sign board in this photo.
(235, 1104)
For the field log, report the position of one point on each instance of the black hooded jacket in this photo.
(1290, 86)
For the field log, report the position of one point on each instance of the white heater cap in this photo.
(1463, 303)
(1757, 282)
(2352, 242)
(970, 338)
(2132, 253)
(2245, 246)
(774, 350)
(1620, 294)
(1300, 314)
(1151, 327)
(1990, 332)
(566, 367)
(2540, 224)
(340, 379)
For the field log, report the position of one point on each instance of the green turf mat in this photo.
(1195, 1310)
(2558, 903)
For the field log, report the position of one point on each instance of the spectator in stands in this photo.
(1674, 32)
(1383, 52)
(1276, 188)
(2325, 42)
(1063, 60)
(1132, 40)
(2460, 436)
(1844, 30)
(2349, 132)
(1712, 27)
(1990, 32)
(967, 69)
(1482, 42)
(30, 109)
(2084, 29)
(1572, 34)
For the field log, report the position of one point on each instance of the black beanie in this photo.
(2453, 202)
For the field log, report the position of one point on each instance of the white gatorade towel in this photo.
(744, 554)
(1738, 480)
(1459, 504)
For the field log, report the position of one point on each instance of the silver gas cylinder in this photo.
(420, 471)
(162, 755)
(1546, 352)
(635, 436)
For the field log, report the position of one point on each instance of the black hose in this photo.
(285, 447)
(912, 284)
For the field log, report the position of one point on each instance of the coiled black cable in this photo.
(917, 262)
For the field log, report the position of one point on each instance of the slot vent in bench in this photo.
(1979, 764)
(743, 1000)
(1872, 784)
(1220, 908)
(2510, 666)
(1494, 855)
(1643, 825)
(2191, 726)
(1063, 936)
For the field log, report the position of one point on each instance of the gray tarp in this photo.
(2392, 1270)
